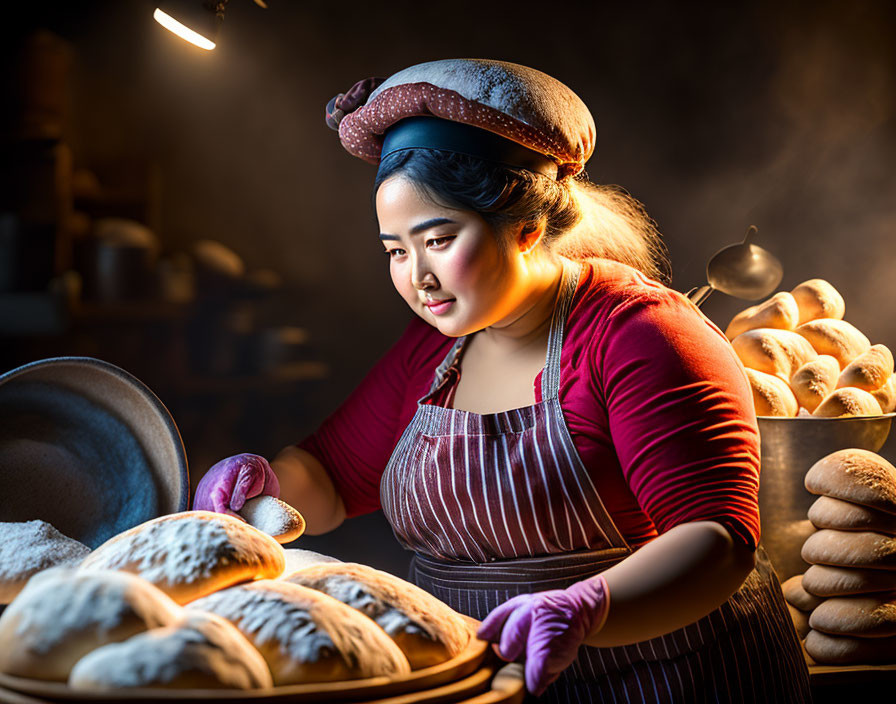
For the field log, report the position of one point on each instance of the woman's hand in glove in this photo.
(547, 628)
(227, 485)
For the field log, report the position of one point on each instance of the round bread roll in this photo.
(274, 517)
(199, 651)
(780, 311)
(815, 380)
(771, 395)
(843, 650)
(847, 549)
(860, 616)
(855, 475)
(826, 580)
(886, 395)
(31, 547)
(305, 635)
(816, 298)
(869, 371)
(847, 401)
(798, 597)
(297, 559)
(427, 630)
(190, 554)
(800, 621)
(63, 614)
(779, 352)
(828, 512)
(836, 338)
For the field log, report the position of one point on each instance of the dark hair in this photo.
(582, 219)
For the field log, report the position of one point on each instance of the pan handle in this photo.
(699, 294)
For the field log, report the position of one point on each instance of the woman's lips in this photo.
(439, 307)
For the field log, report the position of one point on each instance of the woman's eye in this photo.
(440, 241)
(393, 253)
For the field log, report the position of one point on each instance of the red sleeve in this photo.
(355, 443)
(681, 415)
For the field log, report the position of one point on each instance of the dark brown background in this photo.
(715, 115)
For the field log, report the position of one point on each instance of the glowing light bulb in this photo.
(184, 32)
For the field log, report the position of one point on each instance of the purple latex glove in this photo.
(226, 486)
(548, 627)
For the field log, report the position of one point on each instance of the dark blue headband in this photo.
(461, 138)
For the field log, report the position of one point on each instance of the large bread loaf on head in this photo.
(31, 547)
(827, 580)
(190, 554)
(427, 630)
(869, 371)
(780, 311)
(815, 380)
(854, 549)
(797, 596)
(845, 650)
(63, 614)
(836, 338)
(855, 475)
(816, 298)
(199, 651)
(779, 352)
(772, 395)
(828, 512)
(860, 616)
(305, 635)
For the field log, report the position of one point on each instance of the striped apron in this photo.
(501, 504)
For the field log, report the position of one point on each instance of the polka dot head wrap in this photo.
(517, 103)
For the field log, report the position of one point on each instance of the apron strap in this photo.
(550, 379)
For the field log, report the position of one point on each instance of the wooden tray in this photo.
(462, 671)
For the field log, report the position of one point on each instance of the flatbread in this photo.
(860, 616)
(855, 475)
(828, 512)
(798, 597)
(850, 549)
(825, 580)
(826, 649)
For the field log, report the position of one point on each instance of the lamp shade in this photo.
(196, 21)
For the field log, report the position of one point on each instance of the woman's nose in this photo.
(421, 276)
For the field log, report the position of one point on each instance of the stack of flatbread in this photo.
(199, 600)
(844, 606)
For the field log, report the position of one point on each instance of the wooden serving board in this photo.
(457, 669)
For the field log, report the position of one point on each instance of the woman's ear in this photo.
(530, 235)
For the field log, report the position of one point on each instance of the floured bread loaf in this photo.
(847, 401)
(305, 635)
(274, 517)
(844, 650)
(31, 547)
(780, 311)
(860, 616)
(886, 395)
(855, 475)
(63, 614)
(190, 554)
(427, 630)
(860, 549)
(815, 380)
(779, 352)
(798, 597)
(827, 580)
(836, 338)
(297, 559)
(200, 650)
(816, 298)
(800, 621)
(869, 371)
(828, 512)
(771, 395)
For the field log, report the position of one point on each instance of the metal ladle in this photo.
(742, 270)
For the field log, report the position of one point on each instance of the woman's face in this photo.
(447, 264)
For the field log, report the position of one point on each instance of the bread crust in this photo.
(829, 580)
(828, 512)
(427, 630)
(798, 597)
(772, 395)
(869, 371)
(861, 616)
(780, 311)
(190, 554)
(835, 337)
(826, 649)
(815, 380)
(305, 635)
(850, 549)
(855, 475)
(778, 352)
(817, 298)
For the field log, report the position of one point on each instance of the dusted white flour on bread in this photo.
(274, 517)
(31, 547)
(304, 635)
(191, 554)
(297, 559)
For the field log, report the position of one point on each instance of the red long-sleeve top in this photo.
(656, 401)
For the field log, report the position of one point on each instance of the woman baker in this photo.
(568, 446)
